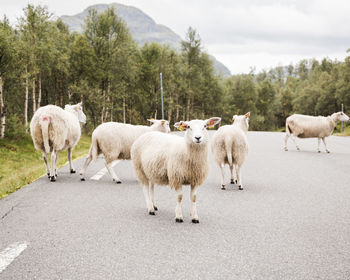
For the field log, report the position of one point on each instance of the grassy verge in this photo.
(346, 131)
(21, 164)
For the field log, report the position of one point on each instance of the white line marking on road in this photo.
(10, 253)
(103, 171)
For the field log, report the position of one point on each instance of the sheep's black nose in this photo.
(198, 138)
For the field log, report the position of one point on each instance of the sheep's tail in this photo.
(288, 130)
(94, 150)
(44, 123)
(229, 155)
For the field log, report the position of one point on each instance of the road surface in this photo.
(292, 221)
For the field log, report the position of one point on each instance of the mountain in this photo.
(142, 27)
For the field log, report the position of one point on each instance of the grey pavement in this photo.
(292, 221)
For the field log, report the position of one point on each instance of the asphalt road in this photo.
(292, 221)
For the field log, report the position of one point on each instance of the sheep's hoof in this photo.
(286, 149)
(328, 152)
(298, 148)
(48, 175)
(72, 171)
(152, 213)
(52, 178)
(223, 187)
(179, 220)
(155, 208)
(233, 181)
(82, 179)
(195, 221)
(117, 181)
(319, 151)
(240, 188)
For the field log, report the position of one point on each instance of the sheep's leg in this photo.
(325, 145)
(149, 203)
(56, 164)
(238, 173)
(233, 181)
(53, 166)
(222, 167)
(194, 214)
(112, 173)
(86, 164)
(295, 142)
(71, 167)
(319, 141)
(178, 210)
(47, 164)
(285, 141)
(151, 193)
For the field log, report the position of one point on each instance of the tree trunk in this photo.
(124, 107)
(188, 109)
(60, 86)
(112, 111)
(177, 108)
(34, 97)
(39, 97)
(26, 103)
(108, 100)
(103, 106)
(2, 112)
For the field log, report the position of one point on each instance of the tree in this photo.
(7, 53)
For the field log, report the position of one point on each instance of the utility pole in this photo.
(161, 95)
(342, 109)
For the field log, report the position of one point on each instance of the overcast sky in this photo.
(241, 34)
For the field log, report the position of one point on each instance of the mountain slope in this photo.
(142, 27)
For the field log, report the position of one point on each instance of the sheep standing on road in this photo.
(54, 129)
(166, 159)
(114, 140)
(230, 146)
(304, 126)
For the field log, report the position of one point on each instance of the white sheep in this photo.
(54, 129)
(168, 159)
(304, 126)
(230, 146)
(114, 140)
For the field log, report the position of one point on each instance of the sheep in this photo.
(168, 159)
(304, 126)
(229, 145)
(54, 129)
(114, 140)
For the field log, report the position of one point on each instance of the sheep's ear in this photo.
(212, 121)
(247, 115)
(181, 125)
(78, 106)
(234, 117)
(163, 122)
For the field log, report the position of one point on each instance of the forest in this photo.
(42, 62)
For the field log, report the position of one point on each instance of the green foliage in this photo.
(15, 129)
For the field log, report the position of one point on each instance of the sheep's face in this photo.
(160, 125)
(77, 110)
(343, 117)
(242, 120)
(196, 130)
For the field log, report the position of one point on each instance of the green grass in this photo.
(346, 131)
(21, 164)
